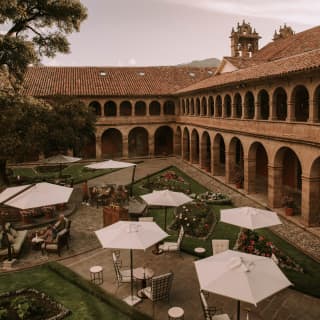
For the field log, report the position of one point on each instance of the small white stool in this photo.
(200, 251)
(96, 274)
(175, 313)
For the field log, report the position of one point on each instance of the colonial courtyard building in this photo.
(256, 116)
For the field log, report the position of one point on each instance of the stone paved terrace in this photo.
(85, 251)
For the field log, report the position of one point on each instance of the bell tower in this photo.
(244, 41)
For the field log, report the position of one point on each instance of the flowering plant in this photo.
(251, 242)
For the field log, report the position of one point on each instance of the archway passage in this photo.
(198, 107)
(95, 107)
(249, 105)
(125, 108)
(236, 162)
(111, 144)
(258, 169)
(163, 141)
(154, 108)
(280, 104)
(138, 142)
(204, 111)
(219, 106)
(140, 108)
(301, 103)
(263, 99)
(206, 152)
(178, 142)
(110, 109)
(227, 106)
(211, 107)
(88, 150)
(186, 144)
(168, 108)
(195, 146)
(238, 105)
(317, 105)
(313, 203)
(289, 181)
(219, 156)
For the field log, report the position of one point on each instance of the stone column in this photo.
(310, 205)
(98, 147)
(125, 147)
(230, 165)
(290, 111)
(249, 175)
(257, 110)
(215, 159)
(102, 110)
(272, 109)
(151, 145)
(233, 110)
(161, 108)
(274, 186)
(313, 111)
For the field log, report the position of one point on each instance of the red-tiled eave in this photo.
(302, 62)
(117, 81)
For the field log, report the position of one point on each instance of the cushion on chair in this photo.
(126, 275)
(147, 292)
(169, 246)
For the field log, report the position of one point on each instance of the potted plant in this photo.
(288, 203)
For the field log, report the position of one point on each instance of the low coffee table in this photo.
(142, 274)
(36, 243)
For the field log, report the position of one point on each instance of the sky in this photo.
(169, 32)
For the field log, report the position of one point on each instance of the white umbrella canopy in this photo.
(250, 218)
(130, 235)
(241, 276)
(39, 195)
(61, 158)
(110, 164)
(166, 198)
(10, 192)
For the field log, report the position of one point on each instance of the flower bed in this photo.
(214, 198)
(168, 180)
(250, 242)
(196, 217)
(30, 304)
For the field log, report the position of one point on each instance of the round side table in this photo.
(200, 251)
(96, 274)
(175, 313)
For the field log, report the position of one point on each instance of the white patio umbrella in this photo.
(111, 164)
(60, 159)
(130, 235)
(241, 276)
(166, 198)
(35, 195)
(250, 218)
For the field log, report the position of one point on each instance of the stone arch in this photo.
(138, 142)
(238, 105)
(95, 107)
(280, 104)
(140, 108)
(186, 144)
(88, 150)
(218, 106)
(210, 106)
(198, 108)
(289, 179)
(111, 143)
(263, 101)
(249, 105)
(178, 142)
(219, 155)
(204, 109)
(236, 162)
(168, 107)
(300, 102)
(205, 151)
(125, 108)
(316, 101)
(154, 108)
(195, 146)
(227, 106)
(313, 195)
(163, 141)
(110, 109)
(192, 107)
(257, 175)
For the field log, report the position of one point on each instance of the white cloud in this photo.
(299, 11)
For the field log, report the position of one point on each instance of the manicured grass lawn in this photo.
(308, 282)
(77, 172)
(85, 300)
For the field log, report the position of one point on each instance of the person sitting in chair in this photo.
(60, 224)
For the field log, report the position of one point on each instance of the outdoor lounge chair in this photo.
(57, 244)
(123, 276)
(219, 245)
(173, 246)
(159, 288)
(211, 313)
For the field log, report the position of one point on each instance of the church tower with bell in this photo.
(244, 41)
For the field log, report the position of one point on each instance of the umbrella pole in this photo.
(165, 219)
(131, 271)
(132, 180)
(238, 310)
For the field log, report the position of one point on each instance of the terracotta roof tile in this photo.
(111, 81)
(300, 62)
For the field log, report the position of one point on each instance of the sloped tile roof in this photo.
(301, 62)
(111, 81)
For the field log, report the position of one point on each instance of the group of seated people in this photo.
(51, 231)
(109, 194)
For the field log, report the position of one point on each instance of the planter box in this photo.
(289, 211)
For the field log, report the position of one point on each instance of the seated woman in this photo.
(48, 235)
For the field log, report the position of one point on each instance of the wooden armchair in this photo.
(57, 244)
